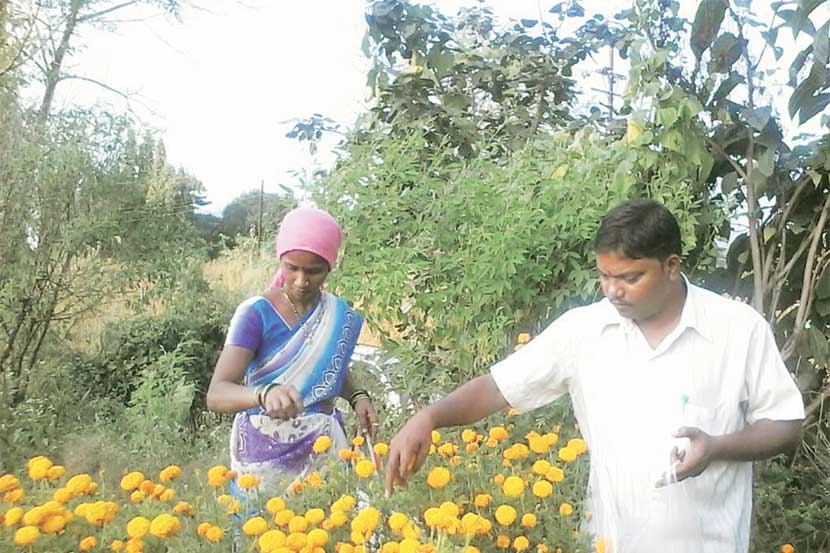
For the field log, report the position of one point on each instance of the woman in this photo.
(286, 359)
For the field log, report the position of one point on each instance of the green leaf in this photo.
(813, 106)
(794, 20)
(729, 182)
(823, 286)
(725, 52)
(707, 22)
(806, 7)
(798, 63)
(727, 86)
(668, 116)
(821, 44)
(766, 162)
(805, 89)
(758, 117)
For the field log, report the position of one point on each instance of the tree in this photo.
(242, 215)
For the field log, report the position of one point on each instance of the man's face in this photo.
(638, 288)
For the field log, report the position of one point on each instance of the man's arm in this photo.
(467, 404)
(763, 439)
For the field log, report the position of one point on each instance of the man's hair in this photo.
(639, 229)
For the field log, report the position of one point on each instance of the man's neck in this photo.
(655, 329)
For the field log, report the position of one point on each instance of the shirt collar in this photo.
(691, 317)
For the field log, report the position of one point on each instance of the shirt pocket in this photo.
(709, 418)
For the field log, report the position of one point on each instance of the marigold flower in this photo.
(39, 467)
(345, 454)
(364, 468)
(600, 546)
(138, 527)
(358, 441)
(344, 547)
(117, 545)
(542, 548)
(502, 541)
(499, 479)
(14, 496)
(53, 524)
(170, 472)
(321, 444)
(275, 505)
(567, 454)
(55, 472)
(482, 500)
(296, 487)
(338, 519)
(472, 447)
(315, 515)
(529, 520)
(344, 504)
(381, 449)
(202, 529)
(521, 543)
(541, 467)
(298, 524)
(134, 545)
(214, 534)
(787, 548)
(398, 521)
(566, 509)
(511, 412)
(137, 496)
(472, 549)
(439, 477)
(551, 438)
(578, 444)
(131, 481)
(296, 541)
(555, 474)
(34, 516)
(270, 541)
(523, 338)
(13, 516)
(167, 495)
(255, 526)
(62, 495)
(88, 543)
(26, 535)
(216, 475)
(542, 489)
(505, 515)
(164, 526)
(435, 436)
(283, 517)
(318, 537)
(468, 435)
(8, 482)
(390, 547)
(248, 481)
(409, 545)
(183, 508)
(513, 486)
(539, 445)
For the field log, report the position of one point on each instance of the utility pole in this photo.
(259, 227)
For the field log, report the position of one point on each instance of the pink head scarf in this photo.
(311, 230)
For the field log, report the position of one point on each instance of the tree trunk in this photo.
(53, 72)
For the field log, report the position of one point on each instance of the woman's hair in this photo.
(639, 229)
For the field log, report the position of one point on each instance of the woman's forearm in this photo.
(227, 397)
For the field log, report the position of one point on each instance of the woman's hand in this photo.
(283, 402)
(367, 417)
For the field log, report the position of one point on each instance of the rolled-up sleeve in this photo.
(771, 392)
(541, 371)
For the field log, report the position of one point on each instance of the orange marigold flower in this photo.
(183, 508)
(248, 481)
(216, 475)
(381, 449)
(275, 505)
(567, 454)
(321, 444)
(202, 529)
(170, 472)
(358, 441)
(505, 515)
(578, 444)
(498, 433)
(88, 543)
(542, 489)
(482, 500)
(131, 481)
(787, 548)
(13, 516)
(499, 479)
(8, 482)
(529, 520)
(214, 534)
(138, 527)
(164, 526)
(502, 541)
(538, 444)
(439, 477)
(55, 472)
(566, 509)
(117, 545)
(255, 526)
(521, 543)
(555, 474)
(513, 486)
(469, 435)
(26, 535)
(364, 468)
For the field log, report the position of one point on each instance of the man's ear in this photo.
(673, 265)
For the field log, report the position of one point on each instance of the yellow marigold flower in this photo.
(555, 474)
(499, 479)
(131, 481)
(521, 543)
(472, 549)
(434, 518)
(517, 451)
(248, 481)
(448, 449)
(511, 412)
(529, 520)
(472, 447)
(409, 545)
(39, 467)
(468, 435)
(216, 475)
(138, 527)
(8, 482)
(439, 477)
(271, 541)
(147, 487)
(134, 545)
(318, 537)
(55, 472)
(541, 467)
(786, 548)
(183, 508)
(315, 479)
(283, 517)
(214, 534)
(513, 486)
(381, 449)
(450, 508)
(436, 437)
(502, 541)
(62, 495)
(345, 454)
(26, 535)
(539, 444)
(523, 338)
(202, 529)
(482, 500)
(275, 505)
(88, 543)
(91, 489)
(137, 496)
(255, 526)
(364, 468)
(505, 515)
(566, 509)
(14, 496)
(358, 441)
(298, 524)
(344, 547)
(34, 516)
(542, 489)
(600, 547)
(491, 442)
(53, 524)
(296, 487)
(567, 454)
(13, 516)
(167, 495)
(315, 515)
(398, 521)
(296, 541)
(338, 519)
(542, 548)
(390, 547)
(578, 444)
(117, 545)
(551, 438)
(321, 444)
(233, 507)
(170, 472)
(164, 526)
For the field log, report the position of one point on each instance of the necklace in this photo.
(291, 303)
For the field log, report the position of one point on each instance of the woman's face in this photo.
(304, 273)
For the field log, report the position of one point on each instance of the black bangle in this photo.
(263, 392)
(357, 394)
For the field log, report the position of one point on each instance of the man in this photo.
(676, 391)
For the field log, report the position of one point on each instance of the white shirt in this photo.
(718, 370)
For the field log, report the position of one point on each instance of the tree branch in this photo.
(90, 16)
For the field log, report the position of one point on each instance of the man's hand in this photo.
(694, 460)
(408, 450)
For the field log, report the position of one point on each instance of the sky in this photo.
(224, 84)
